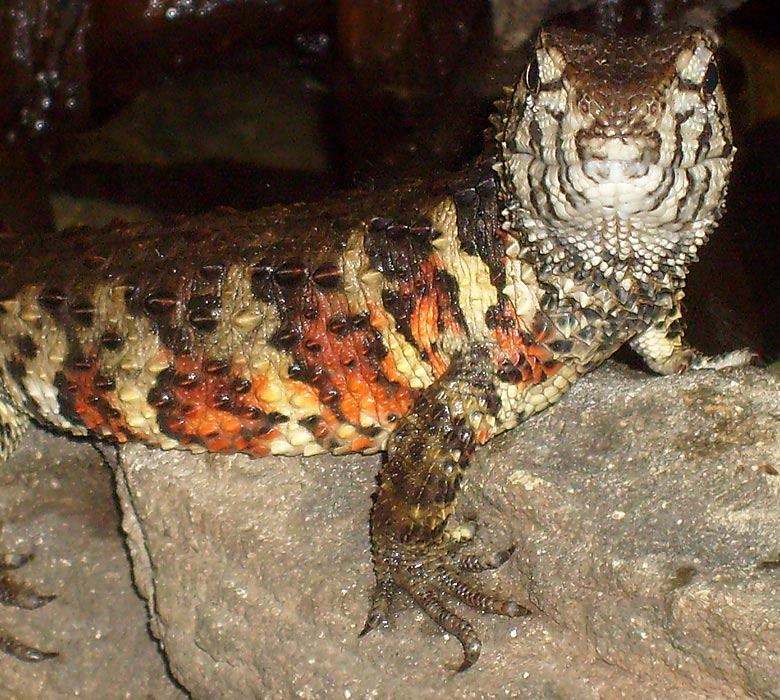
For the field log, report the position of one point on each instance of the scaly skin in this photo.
(421, 321)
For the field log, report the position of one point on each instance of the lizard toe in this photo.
(432, 577)
(10, 645)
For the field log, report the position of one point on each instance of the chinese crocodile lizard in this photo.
(420, 321)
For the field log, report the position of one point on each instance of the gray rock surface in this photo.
(57, 502)
(646, 513)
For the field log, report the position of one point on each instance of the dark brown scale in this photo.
(186, 380)
(330, 396)
(313, 424)
(361, 321)
(250, 412)
(401, 308)
(374, 346)
(392, 250)
(17, 369)
(241, 385)
(159, 396)
(285, 338)
(66, 391)
(310, 312)
(188, 409)
(94, 262)
(290, 273)
(27, 347)
(508, 372)
(300, 372)
(216, 367)
(478, 225)
(264, 286)
(451, 292)
(212, 272)
(131, 295)
(52, 299)
(177, 339)
(160, 303)
(339, 326)
(112, 341)
(103, 383)
(327, 275)
(378, 225)
(205, 312)
(79, 362)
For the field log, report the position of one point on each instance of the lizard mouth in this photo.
(596, 188)
(613, 169)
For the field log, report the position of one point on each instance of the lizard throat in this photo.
(616, 217)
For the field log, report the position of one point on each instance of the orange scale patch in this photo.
(427, 311)
(523, 355)
(349, 366)
(88, 398)
(206, 402)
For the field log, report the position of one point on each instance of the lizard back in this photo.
(314, 327)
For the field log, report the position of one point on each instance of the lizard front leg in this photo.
(418, 484)
(664, 350)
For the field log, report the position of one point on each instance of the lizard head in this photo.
(617, 150)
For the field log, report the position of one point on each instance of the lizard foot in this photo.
(20, 595)
(430, 578)
(736, 358)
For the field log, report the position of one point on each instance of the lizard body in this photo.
(420, 321)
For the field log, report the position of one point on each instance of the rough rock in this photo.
(57, 503)
(646, 511)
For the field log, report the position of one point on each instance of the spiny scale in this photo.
(422, 320)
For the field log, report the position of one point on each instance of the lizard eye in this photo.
(531, 75)
(711, 79)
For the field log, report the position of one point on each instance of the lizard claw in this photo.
(22, 651)
(431, 578)
(736, 358)
(22, 596)
(17, 594)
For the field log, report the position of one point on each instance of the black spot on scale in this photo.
(216, 367)
(17, 369)
(160, 396)
(290, 273)
(339, 326)
(103, 383)
(397, 247)
(401, 309)
(204, 312)
(242, 385)
(327, 275)
(476, 206)
(112, 341)
(160, 303)
(66, 391)
(83, 312)
(264, 285)
(52, 299)
(27, 347)
(299, 371)
(186, 380)
(212, 272)
(286, 338)
(176, 339)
